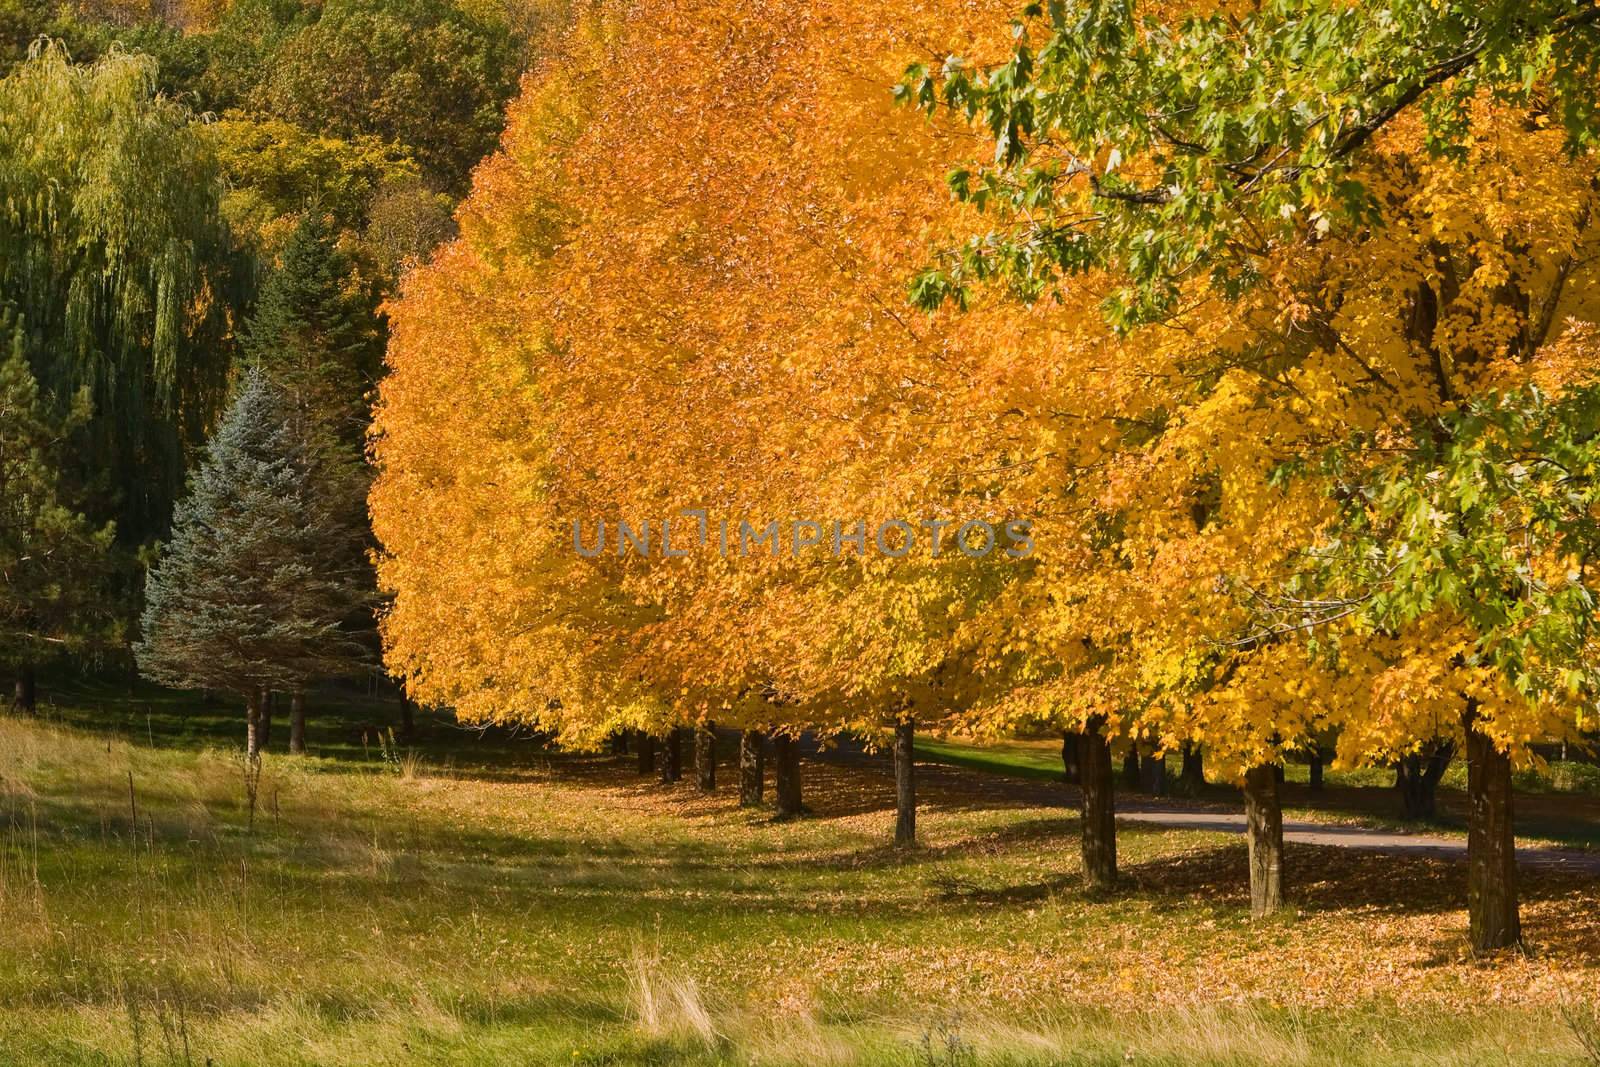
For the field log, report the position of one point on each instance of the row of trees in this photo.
(1274, 322)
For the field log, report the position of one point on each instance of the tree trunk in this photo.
(1314, 770)
(646, 749)
(752, 769)
(619, 743)
(1417, 777)
(672, 756)
(705, 756)
(1153, 770)
(787, 752)
(1491, 848)
(1130, 769)
(252, 725)
(1070, 768)
(1192, 778)
(1099, 808)
(408, 718)
(1264, 822)
(905, 784)
(264, 718)
(25, 694)
(297, 723)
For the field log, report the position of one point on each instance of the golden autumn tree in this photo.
(685, 331)
(702, 331)
(695, 329)
(1360, 241)
(492, 614)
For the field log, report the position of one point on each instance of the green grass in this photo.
(483, 901)
(1038, 760)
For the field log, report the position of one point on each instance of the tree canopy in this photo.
(1303, 262)
(55, 599)
(114, 254)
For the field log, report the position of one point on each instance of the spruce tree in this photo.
(54, 562)
(315, 330)
(250, 596)
(315, 334)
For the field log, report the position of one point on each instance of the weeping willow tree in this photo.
(113, 251)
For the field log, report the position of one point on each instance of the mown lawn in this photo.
(487, 902)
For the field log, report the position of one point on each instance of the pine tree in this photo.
(314, 334)
(53, 560)
(248, 596)
(314, 331)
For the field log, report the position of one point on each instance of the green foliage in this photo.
(244, 46)
(1169, 150)
(54, 562)
(419, 73)
(315, 335)
(326, 101)
(275, 168)
(405, 221)
(1491, 517)
(181, 58)
(127, 228)
(249, 593)
(23, 22)
(314, 331)
(113, 250)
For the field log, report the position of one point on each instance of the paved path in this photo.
(1202, 815)
(1342, 836)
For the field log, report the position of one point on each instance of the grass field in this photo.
(481, 901)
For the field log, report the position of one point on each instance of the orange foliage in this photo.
(681, 287)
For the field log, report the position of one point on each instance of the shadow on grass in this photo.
(841, 784)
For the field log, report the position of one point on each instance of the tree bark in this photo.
(1070, 766)
(1314, 769)
(672, 756)
(1153, 771)
(619, 743)
(646, 750)
(1192, 778)
(705, 756)
(786, 750)
(264, 718)
(1099, 808)
(408, 718)
(25, 694)
(1264, 828)
(1417, 776)
(297, 723)
(1491, 848)
(1130, 769)
(752, 769)
(905, 784)
(252, 725)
